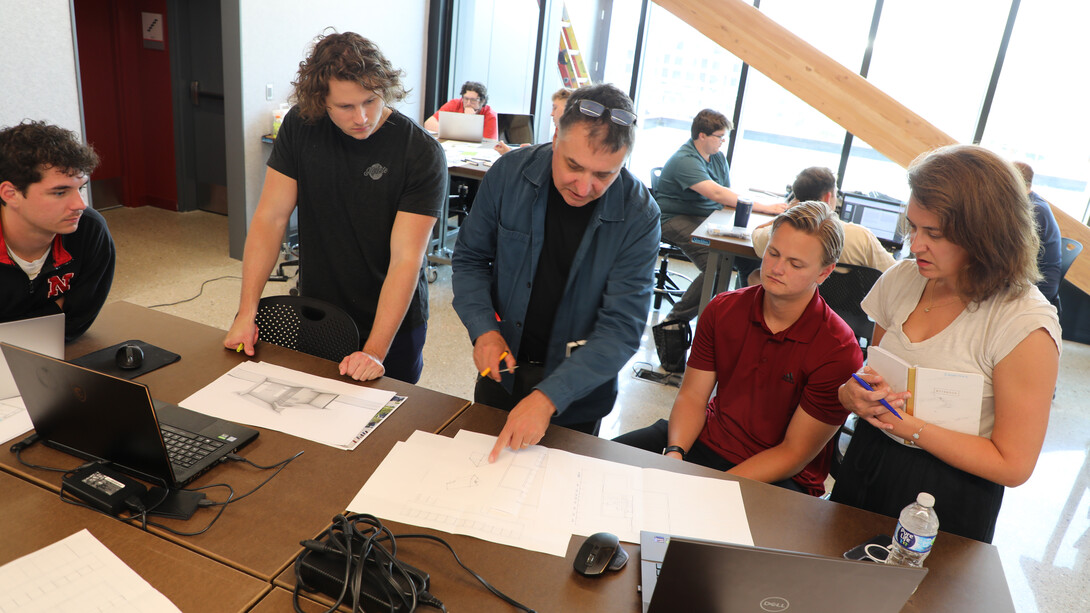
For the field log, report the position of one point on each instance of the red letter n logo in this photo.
(59, 285)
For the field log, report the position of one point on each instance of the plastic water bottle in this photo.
(915, 534)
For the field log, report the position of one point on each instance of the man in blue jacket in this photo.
(553, 271)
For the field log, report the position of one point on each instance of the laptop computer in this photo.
(708, 576)
(42, 334)
(461, 126)
(96, 416)
(879, 215)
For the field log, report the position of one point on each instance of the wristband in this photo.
(670, 448)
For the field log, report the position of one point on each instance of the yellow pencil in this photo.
(484, 373)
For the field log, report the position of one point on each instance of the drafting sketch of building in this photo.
(279, 395)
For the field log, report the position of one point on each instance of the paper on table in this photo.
(14, 420)
(323, 410)
(77, 573)
(537, 498)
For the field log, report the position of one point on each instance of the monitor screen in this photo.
(880, 216)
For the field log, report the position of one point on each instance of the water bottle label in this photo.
(913, 542)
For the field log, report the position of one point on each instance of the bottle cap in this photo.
(925, 500)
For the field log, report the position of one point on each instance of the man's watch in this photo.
(670, 448)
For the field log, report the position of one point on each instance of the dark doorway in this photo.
(196, 45)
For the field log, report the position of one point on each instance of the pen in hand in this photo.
(486, 371)
(867, 387)
(239, 348)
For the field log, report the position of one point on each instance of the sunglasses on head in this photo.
(620, 117)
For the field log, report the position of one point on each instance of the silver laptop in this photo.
(460, 126)
(42, 334)
(96, 416)
(707, 576)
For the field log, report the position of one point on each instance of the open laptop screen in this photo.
(880, 216)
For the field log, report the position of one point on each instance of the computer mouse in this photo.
(600, 552)
(129, 357)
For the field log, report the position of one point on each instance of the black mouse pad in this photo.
(105, 360)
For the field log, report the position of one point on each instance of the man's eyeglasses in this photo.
(474, 101)
(620, 117)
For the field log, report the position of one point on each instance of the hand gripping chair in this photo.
(308, 325)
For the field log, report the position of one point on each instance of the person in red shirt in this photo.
(472, 100)
(774, 356)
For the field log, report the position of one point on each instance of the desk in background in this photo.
(723, 249)
(32, 518)
(259, 534)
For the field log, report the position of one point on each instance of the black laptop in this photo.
(720, 577)
(96, 416)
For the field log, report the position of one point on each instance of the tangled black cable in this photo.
(372, 572)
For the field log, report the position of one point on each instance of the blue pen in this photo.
(867, 387)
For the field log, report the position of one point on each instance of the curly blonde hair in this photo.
(345, 57)
(982, 206)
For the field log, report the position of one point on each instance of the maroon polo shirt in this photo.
(764, 377)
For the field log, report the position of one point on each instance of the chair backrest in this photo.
(656, 172)
(515, 129)
(308, 325)
(1069, 250)
(844, 290)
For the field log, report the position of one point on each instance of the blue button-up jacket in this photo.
(608, 291)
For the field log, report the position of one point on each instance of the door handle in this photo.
(195, 92)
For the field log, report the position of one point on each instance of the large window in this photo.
(935, 57)
(682, 72)
(779, 134)
(1039, 111)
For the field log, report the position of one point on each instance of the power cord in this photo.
(166, 304)
(372, 571)
(138, 508)
(18, 448)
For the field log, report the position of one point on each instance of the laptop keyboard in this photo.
(186, 448)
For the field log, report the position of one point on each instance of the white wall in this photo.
(274, 38)
(38, 64)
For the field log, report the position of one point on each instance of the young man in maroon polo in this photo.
(778, 354)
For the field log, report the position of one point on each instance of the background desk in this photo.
(723, 249)
(32, 518)
(259, 534)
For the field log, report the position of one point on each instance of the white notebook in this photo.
(945, 398)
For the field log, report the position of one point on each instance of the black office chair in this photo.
(515, 129)
(308, 325)
(844, 290)
(1069, 249)
(668, 285)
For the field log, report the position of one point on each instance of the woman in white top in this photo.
(967, 303)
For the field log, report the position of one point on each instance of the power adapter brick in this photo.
(103, 488)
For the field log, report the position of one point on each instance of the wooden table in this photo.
(32, 518)
(965, 575)
(723, 249)
(259, 534)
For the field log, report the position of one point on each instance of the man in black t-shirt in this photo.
(368, 184)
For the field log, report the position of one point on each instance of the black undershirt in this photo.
(565, 226)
